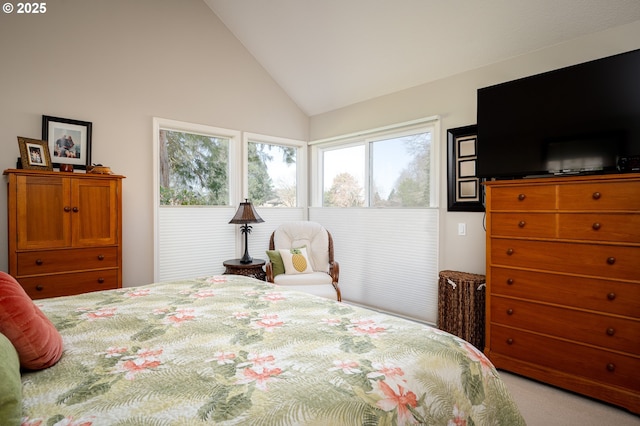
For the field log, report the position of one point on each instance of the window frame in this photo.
(318, 147)
(234, 159)
(301, 163)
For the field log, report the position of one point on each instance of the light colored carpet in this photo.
(543, 405)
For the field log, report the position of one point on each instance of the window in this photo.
(275, 171)
(392, 170)
(194, 168)
(197, 174)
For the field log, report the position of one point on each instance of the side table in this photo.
(253, 269)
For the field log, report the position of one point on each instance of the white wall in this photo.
(118, 63)
(454, 99)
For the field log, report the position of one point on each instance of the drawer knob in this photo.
(611, 367)
(509, 251)
(100, 280)
(509, 341)
(39, 287)
(596, 195)
(509, 281)
(522, 223)
(596, 226)
(611, 296)
(75, 209)
(67, 209)
(101, 257)
(509, 311)
(611, 331)
(611, 260)
(39, 262)
(521, 197)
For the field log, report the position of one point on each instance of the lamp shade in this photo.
(246, 214)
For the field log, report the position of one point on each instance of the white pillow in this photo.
(296, 261)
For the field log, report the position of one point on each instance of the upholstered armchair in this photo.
(317, 273)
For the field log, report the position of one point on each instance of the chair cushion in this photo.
(314, 278)
(38, 343)
(296, 261)
(312, 235)
(276, 262)
(10, 383)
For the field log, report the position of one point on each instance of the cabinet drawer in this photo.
(600, 227)
(523, 198)
(67, 284)
(50, 261)
(566, 357)
(601, 295)
(599, 196)
(542, 225)
(580, 326)
(606, 261)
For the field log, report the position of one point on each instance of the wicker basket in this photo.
(461, 305)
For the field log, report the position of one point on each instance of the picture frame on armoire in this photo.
(69, 141)
(464, 189)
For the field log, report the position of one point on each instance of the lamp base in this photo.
(246, 259)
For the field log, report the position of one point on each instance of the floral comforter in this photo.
(233, 350)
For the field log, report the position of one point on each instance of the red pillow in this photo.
(38, 343)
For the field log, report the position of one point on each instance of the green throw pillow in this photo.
(276, 262)
(10, 383)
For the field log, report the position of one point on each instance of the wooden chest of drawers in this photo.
(563, 283)
(65, 231)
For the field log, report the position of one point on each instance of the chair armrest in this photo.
(334, 271)
(268, 269)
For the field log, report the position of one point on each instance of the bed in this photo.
(234, 350)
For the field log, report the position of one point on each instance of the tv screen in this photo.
(579, 119)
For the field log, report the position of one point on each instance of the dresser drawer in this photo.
(586, 327)
(599, 196)
(50, 261)
(600, 227)
(566, 357)
(523, 198)
(67, 284)
(608, 261)
(615, 297)
(541, 225)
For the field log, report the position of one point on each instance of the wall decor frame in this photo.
(34, 154)
(464, 189)
(69, 141)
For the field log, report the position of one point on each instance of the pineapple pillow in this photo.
(296, 261)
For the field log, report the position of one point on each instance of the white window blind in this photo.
(388, 257)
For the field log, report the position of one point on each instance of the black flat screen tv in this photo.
(576, 120)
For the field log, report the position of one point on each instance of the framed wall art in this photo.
(69, 141)
(465, 191)
(34, 154)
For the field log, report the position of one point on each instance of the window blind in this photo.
(388, 258)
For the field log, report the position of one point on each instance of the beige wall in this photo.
(118, 63)
(454, 100)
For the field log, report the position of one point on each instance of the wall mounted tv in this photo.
(576, 120)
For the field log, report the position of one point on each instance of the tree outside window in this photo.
(194, 169)
(272, 175)
(398, 174)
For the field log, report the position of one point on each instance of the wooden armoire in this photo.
(64, 231)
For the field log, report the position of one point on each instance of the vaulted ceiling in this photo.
(327, 54)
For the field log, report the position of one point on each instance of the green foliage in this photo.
(193, 169)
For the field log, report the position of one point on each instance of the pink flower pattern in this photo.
(400, 401)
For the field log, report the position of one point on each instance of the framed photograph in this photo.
(34, 154)
(464, 188)
(69, 141)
